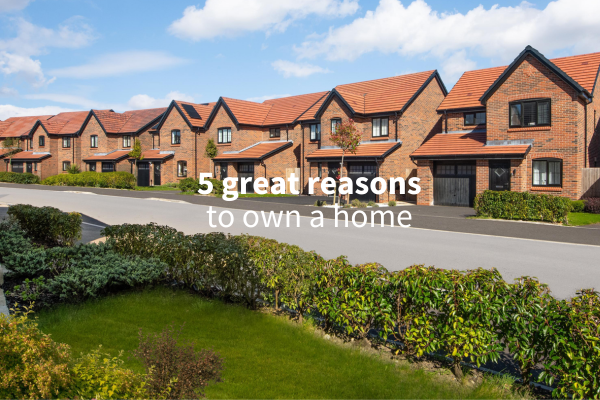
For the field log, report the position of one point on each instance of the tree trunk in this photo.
(276, 299)
(457, 370)
(300, 318)
(341, 175)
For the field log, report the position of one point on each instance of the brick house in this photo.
(259, 139)
(107, 137)
(394, 115)
(531, 126)
(28, 160)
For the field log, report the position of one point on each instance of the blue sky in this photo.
(123, 54)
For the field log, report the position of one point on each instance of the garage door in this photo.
(247, 171)
(143, 174)
(454, 184)
(363, 170)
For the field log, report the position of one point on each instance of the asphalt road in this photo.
(566, 267)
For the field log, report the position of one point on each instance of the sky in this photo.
(63, 55)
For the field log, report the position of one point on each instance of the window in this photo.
(66, 165)
(108, 167)
(35, 167)
(42, 141)
(465, 170)
(182, 168)
(530, 113)
(275, 132)
(216, 171)
(334, 124)
(224, 135)
(315, 132)
(66, 141)
(246, 167)
(92, 167)
(126, 141)
(380, 127)
(175, 136)
(320, 170)
(94, 141)
(477, 118)
(547, 172)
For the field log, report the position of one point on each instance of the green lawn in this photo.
(241, 196)
(265, 356)
(576, 219)
(154, 188)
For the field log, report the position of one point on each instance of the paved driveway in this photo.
(566, 267)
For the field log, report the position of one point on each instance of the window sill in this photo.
(275, 138)
(546, 189)
(175, 145)
(380, 138)
(530, 128)
(224, 144)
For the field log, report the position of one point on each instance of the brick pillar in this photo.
(483, 176)
(519, 177)
(425, 173)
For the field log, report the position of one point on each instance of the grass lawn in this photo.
(154, 188)
(576, 219)
(265, 356)
(241, 196)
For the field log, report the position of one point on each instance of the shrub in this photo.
(47, 225)
(74, 169)
(577, 206)
(320, 203)
(12, 239)
(178, 366)
(372, 204)
(592, 205)
(116, 180)
(358, 204)
(522, 206)
(188, 185)
(32, 365)
(392, 203)
(15, 177)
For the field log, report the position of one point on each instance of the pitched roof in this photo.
(472, 144)
(247, 112)
(30, 156)
(66, 123)
(472, 85)
(310, 114)
(387, 94)
(287, 110)
(129, 121)
(19, 126)
(203, 111)
(364, 150)
(113, 156)
(258, 151)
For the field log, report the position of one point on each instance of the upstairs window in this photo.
(547, 172)
(530, 113)
(175, 136)
(94, 141)
(66, 142)
(315, 131)
(334, 124)
(275, 133)
(475, 118)
(224, 135)
(126, 141)
(42, 141)
(380, 127)
(181, 169)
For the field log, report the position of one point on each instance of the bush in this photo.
(192, 185)
(392, 203)
(577, 206)
(15, 177)
(168, 364)
(372, 204)
(358, 204)
(32, 365)
(47, 225)
(320, 203)
(522, 206)
(74, 169)
(12, 239)
(592, 205)
(116, 180)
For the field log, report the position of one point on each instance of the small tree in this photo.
(347, 137)
(13, 145)
(211, 149)
(136, 154)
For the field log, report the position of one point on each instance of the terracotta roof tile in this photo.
(67, 123)
(30, 156)
(110, 120)
(257, 152)
(203, 111)
(370, 149)
(286, 110)
(140, 118)
(19, 126)
(312, 111)
(464, 144)
(583, 68)
(114, 156)
(155, 155)
(248, 112)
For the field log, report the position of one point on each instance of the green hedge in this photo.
(117, 180)
(15, 177)
(47, 225)
(193, 185)
(468, 315)
(522, 206)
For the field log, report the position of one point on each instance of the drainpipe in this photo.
(302, 160)
(445, 122)
(73, 148)
(287, 132)
(585, 145)
(396, 120)
(196, 154)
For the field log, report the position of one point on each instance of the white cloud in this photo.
(8, 92)
(7, 111)
(122, 63)
(298, 70)
(260, 99)
(233, 17)
(13, 5)
(24, 67)
(79, 101)
(499, 32)
(455, 65)
(143, 101)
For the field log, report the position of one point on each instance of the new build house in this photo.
(530, 126)
(19, 128)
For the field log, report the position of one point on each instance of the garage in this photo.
(454, 183)
(246, 170)
(366, 170)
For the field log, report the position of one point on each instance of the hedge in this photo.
(523, 206)
(117, 180)
(193, 185)
(466, 315)
(15, 177)
(47, 225)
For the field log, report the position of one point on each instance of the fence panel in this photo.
(590, 182)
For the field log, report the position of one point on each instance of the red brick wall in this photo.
(425, 172)
(594, 130)
(183, 152)
(456, 122)
(46, 167)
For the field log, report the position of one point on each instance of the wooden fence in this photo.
(590, 182)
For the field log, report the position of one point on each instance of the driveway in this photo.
(566, 267)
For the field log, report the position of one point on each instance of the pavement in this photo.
(566, 258)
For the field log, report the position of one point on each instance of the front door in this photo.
(247, 171)
(223, 171)
(143, 174)
(30, 167)
(499, 175)
(157, 174)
